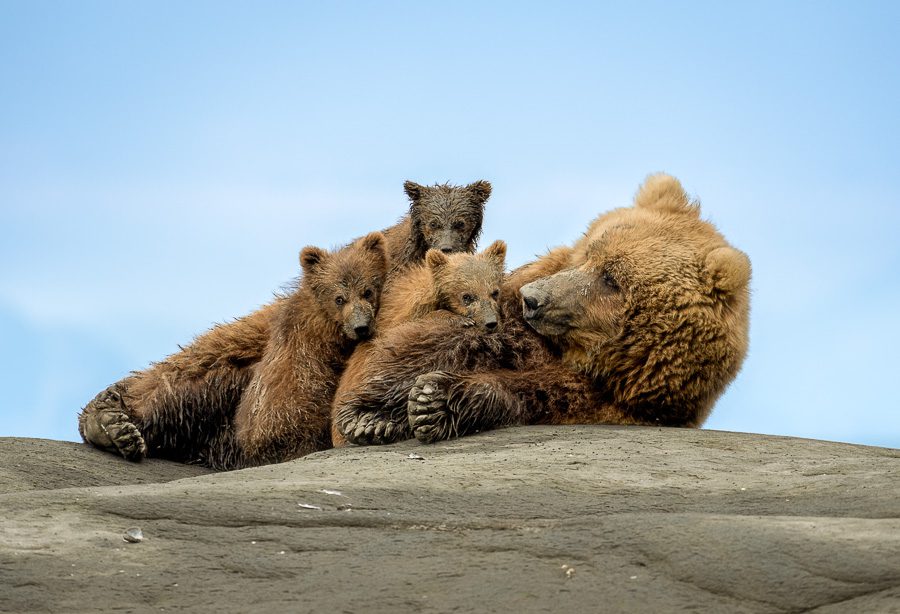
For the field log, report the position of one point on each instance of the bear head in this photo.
(447, 217)
(469, 285)
(654, 305)
(347, 283)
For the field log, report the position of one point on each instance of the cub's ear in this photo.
(413, 190)
(436, 260)
(728, 269)
(665, 193)
(496, 253)
(311, 258)
(480, 190)
(374, 243)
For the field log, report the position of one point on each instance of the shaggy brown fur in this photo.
(643, 321)
(460, 285)
(257, 390)
(443, 217)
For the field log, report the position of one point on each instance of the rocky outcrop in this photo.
(557, 519)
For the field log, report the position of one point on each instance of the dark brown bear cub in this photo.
(444, 217)
(257, 390)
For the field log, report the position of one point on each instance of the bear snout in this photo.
(533, 301)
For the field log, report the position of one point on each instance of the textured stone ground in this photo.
(648, 519)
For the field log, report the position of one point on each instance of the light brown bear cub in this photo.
(461, 284)
(253, 391)
(463, 287)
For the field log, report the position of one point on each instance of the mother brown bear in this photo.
(644, 320)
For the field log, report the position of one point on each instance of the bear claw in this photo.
(374, 429)
(429, 416)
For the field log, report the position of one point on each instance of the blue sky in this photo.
(162, 163)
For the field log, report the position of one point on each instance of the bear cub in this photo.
(461, 286)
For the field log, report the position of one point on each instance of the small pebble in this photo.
(346, 507)
(336, 493)
(414, 456)
(634, 577)
(309, 506)
(133, 536)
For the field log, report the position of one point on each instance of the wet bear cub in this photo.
(459, 286)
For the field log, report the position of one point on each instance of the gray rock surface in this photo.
(555, 519)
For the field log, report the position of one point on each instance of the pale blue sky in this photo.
(162, 163)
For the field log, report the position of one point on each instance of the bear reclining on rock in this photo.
(231, 400)
(644, 320)
(258, 389)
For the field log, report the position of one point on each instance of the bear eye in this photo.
(339, 301)
(468, 299)
(495, 294)
(367, 294)
(610, 281)
(458, 225)
(434, 225)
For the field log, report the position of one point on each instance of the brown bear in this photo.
(644, 320)
(464, 284)
(467, 286)
(443, 217)
(257, 390)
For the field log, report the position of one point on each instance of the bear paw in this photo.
(371, 428)
(104, 424)
(430, 418)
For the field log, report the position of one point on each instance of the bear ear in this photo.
(496, 253)
(665, 193)
(374, 243)
(436, 260)
(480, 191)
(413, 190)
(311, 258)
(728, 269)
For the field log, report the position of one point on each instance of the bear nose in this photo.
(490, 324)
(533, 301)
(362, 332)
(447, 250)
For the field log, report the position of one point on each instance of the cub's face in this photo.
(448, 218)
(347, 284)
(469, 285)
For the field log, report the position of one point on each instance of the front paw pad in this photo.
(429, 416)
